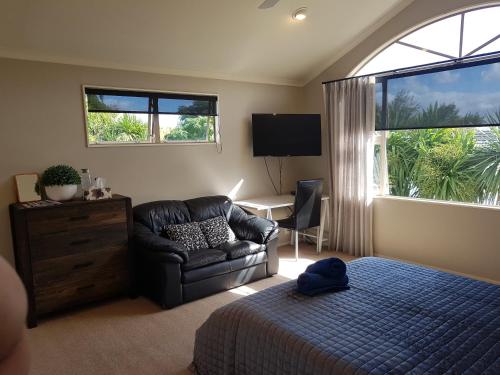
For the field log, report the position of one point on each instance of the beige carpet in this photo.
(135, 336)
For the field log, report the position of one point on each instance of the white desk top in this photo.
(269, 202)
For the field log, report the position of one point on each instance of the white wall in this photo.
(454, 237)
(41, 120)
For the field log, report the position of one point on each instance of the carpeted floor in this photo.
(136, 337)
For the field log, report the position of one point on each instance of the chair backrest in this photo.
(307, 207)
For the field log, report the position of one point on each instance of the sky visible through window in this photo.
(474, 90)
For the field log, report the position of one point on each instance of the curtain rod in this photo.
(416, 68)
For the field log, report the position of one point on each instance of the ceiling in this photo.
(227, 39)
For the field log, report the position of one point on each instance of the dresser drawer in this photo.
(57, 271)
(74, 219)
(80, 241)
(82, 287)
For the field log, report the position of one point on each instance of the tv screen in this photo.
(286, 134)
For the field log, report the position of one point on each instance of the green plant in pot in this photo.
(60, 182)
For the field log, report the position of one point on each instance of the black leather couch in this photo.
(170, 275)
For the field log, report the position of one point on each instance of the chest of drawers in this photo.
(72, 253)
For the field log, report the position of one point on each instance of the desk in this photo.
(268, 203)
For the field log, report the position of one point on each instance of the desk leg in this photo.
(269, 214)
(322, 225)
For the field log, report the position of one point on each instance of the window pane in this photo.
(492, 47)
(398, 56)
(186, 106)
(104, 127)
(117, 103)
(460, 97)
(479, 27)
(442, 36)
(183, 128)
(446, 164)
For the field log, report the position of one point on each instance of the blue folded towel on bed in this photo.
(333, 268)
(327, 275)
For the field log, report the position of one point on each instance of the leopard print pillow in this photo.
(217, 231)
(189, 234)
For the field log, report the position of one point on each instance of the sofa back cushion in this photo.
(217, 231)
(201, 209)
(189, 235)
(157, 215)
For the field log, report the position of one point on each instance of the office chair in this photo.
(306, 209)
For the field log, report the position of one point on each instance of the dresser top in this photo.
(71, 203)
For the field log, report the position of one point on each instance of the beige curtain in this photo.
(350, 114)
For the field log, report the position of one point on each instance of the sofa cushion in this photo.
(217, 231)
(247, 261)
(204, 208)
(204, 257)
(238, 249)
(202, 273)
(189, 234)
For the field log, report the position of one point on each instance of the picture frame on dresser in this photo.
(73, 253)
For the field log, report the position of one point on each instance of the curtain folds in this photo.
(350, 114)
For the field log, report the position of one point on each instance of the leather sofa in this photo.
(170, 275)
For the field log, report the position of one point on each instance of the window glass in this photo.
(398, 56)
(112, 127)
(185, 128)
(442, 36)
(492, 47)
(460, 97)
(185, 106)
(480, 26)
(118, 103)
(458, 164)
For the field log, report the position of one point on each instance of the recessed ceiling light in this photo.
(300, 14)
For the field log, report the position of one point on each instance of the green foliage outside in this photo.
(193, 128)
(445, 164)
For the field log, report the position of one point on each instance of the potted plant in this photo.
(59, 182)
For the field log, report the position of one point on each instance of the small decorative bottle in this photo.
(86, 181)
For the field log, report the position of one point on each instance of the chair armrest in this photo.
(153, 246)
(251, 227)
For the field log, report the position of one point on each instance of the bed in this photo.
(397, 318)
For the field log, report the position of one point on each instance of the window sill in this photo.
(101, 145)
(436, 202)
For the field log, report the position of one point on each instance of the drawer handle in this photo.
(78, 218)
(83, 288)
(82, 265)
(80, 242)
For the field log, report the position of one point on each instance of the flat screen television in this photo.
(286, 134)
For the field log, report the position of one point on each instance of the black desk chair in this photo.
(306, 210)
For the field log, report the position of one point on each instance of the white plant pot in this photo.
(60, 192)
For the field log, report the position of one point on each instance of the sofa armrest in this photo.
(251, 227)
(155, 247)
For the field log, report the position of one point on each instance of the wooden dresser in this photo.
(72, 253)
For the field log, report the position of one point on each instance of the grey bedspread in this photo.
(396, 319)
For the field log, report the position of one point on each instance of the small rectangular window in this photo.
(116, 116)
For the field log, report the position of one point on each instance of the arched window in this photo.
(465, 34)
(427, 158)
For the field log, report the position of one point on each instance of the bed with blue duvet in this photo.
(396, 318)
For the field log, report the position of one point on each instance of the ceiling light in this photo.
(300, 14)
